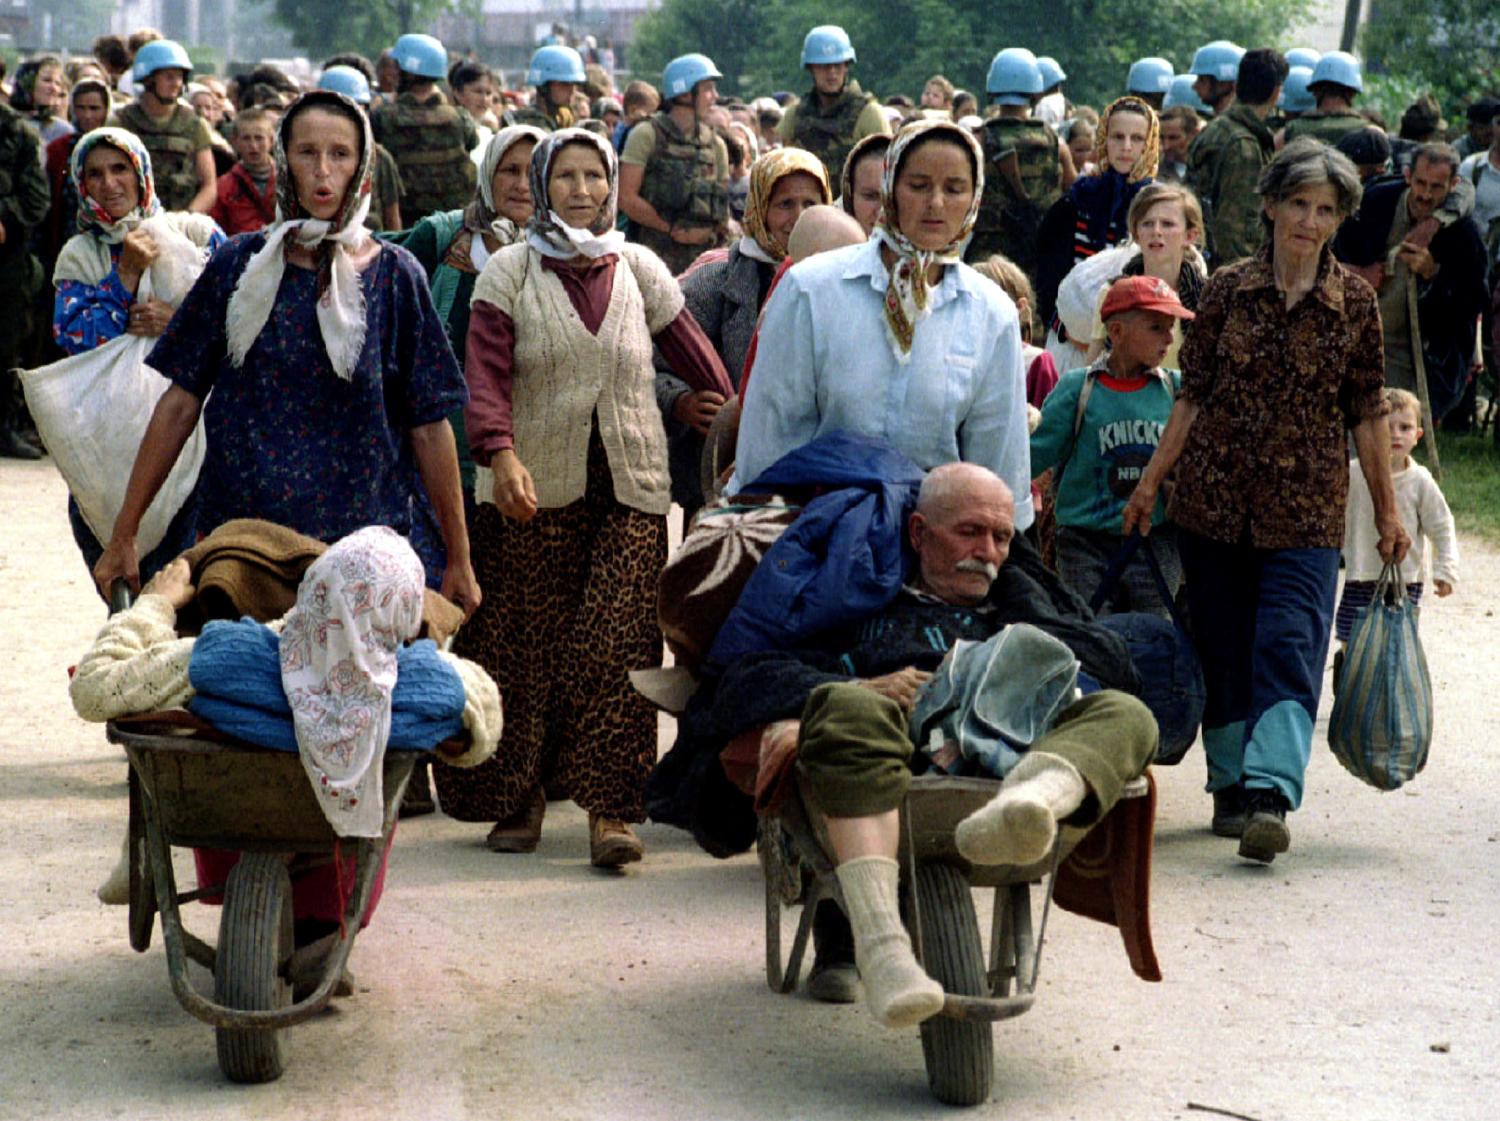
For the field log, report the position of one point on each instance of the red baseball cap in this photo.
(1147, 293)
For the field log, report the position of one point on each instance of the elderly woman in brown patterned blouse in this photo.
(1283, 359)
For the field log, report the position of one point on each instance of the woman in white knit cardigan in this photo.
(573, 493)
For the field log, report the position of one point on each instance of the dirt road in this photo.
(1353, 979)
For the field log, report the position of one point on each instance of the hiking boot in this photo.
(521, 831)
(612, 843)
(834, 978)
(1229, 812)
(1266, 832)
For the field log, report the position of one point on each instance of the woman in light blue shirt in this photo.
(897, 338)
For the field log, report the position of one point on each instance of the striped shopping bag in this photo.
(1381, 727)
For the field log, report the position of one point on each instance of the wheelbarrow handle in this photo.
(119, 595)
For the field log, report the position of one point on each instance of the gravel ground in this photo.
(1353, 979)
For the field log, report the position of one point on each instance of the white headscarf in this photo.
(548, 234)
(481, 215)
(355, 606)
(341, 305)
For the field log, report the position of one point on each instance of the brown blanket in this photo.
(251, 567)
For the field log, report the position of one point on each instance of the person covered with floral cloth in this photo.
(88, 109)
(573, 491)
(331, 376)
(98, 276)
(1283, 361)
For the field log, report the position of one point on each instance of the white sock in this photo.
(1019, 825)
(897, 989)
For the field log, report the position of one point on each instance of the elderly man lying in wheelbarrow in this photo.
(859, 697)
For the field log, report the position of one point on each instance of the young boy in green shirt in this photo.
(1099, 429)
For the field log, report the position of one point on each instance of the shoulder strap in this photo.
(1478, 172)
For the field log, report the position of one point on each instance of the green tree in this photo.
(1451, 47)
(901, 43)
(325, 27)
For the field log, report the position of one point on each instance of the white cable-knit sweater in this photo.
(563, 375)
(138, 664)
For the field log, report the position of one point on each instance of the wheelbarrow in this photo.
(192, 788)
(980, 987)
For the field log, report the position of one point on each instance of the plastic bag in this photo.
(92, 410)
(1381, 727)
(1078, 294)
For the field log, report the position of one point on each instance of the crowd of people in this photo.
(503, 324)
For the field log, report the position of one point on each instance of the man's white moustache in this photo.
(971, 565)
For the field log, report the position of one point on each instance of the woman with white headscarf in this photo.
(896, 337)
(330, 373)
(571, 531)
(98, 276)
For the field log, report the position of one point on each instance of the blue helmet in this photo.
(1219, 60)
(160, 54)
(422, 56)
(1340, 68)
(1181, 92)
(555, 63)
(683, 74)
(1302, 56)
(827, 44)
(1149, 75)
(1014, 78)
(1052, 73)
(1295, 96)
(347, 81)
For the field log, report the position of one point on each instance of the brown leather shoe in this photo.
(612, 843)
(521, 831)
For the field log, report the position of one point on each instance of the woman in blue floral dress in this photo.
(323, 374)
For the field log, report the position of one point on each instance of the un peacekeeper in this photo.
(1215, 73)
(555, 74)
(1226, 158)
(674, 171)
(428, 135)
(1026, 166)
(836, 114)
(1149, 79)
(181, 146)
(24, 199)
(1336, 81)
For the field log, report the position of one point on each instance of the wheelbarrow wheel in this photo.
(255, 944)
(142, 882)
(960, 1054)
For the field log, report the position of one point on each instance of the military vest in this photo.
(427, 141)
(530, 115)
(1330, 128)
(1022, 179)
(680, 180)
(172, 146)
(829, 136)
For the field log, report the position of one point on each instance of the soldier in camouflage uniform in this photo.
(1226, 159)
(429, 137)
(1336, 81)
(24, 199)
(555, 74)
(179, 141)
(836, 114)
(674, 171)
(1026, 167)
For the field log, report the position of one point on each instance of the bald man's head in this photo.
(961, 531)
(820, 229)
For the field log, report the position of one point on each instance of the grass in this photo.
(1471, 483)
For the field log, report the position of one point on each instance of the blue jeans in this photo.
(1261, 620)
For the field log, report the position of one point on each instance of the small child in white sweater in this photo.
(1423, 511)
